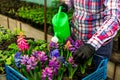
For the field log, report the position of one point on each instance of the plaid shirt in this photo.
(95, 21)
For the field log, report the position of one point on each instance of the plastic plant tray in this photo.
(12, 74)
(100, 72)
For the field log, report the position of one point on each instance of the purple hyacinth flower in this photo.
(42, 56)
(53, 46)
(74, 46)
(31, 63)
(24, 59)
(47, 73)
(54, 64)
(55, 53)
(72, 49)
(35, 53)
(17, 59)
(78, 44)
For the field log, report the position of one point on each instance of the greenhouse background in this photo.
(49, 2)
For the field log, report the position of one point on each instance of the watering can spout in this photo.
(61, 25)
(58, 15)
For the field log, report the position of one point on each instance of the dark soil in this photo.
(89, 70)
(4, 44)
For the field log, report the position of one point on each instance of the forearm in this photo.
(107, 31)
(110, 26)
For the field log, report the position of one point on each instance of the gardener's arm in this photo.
(109, 28)
(107, 31)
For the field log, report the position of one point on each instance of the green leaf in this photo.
(82, 68)
(13, 46)
(89, 62)
(71, 70)
(61, 71)
(8, 61)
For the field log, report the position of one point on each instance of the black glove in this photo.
(83, 53)
(64, 7)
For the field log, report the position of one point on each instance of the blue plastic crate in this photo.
(12, 74)
(100, 72)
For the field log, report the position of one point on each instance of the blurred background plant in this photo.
(31, 13)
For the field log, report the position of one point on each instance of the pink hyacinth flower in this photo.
(71, 61)
(22, 44)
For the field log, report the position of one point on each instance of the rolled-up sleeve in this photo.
(110, 26)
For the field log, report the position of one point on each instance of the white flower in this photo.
(54, 39)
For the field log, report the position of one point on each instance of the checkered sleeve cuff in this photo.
(95, 42)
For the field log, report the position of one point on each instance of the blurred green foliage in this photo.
(30, 13)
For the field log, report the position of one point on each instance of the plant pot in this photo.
(3, 77)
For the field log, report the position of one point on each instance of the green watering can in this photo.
(61, 25)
